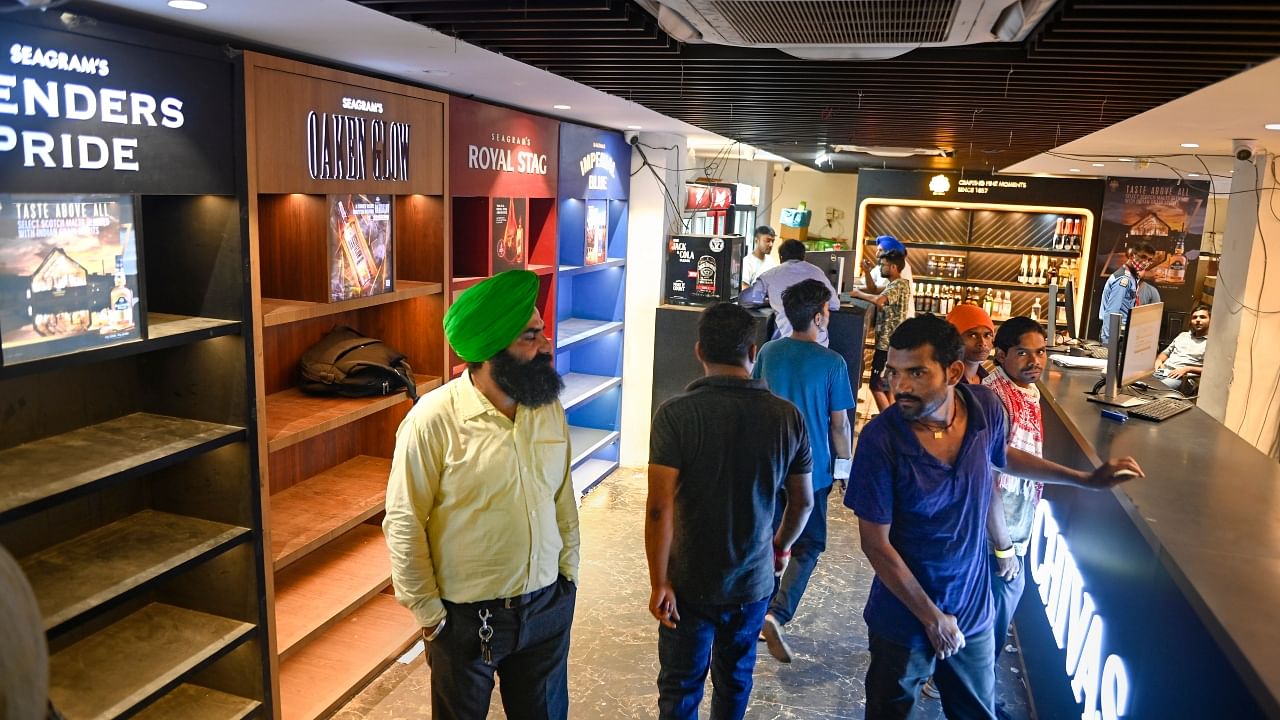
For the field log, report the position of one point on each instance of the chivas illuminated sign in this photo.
(1098, 681)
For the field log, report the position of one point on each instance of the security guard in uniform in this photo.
(1125, 288)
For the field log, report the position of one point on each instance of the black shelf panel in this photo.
(1006, 249)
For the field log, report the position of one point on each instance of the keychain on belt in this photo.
(486, 634)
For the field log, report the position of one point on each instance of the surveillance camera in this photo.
(786, 168)
(1244, 150)
(632, 136)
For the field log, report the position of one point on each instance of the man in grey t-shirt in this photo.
(1181, 364)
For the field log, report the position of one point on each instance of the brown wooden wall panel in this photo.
(286, 92)
(419, 238)
(293, 244)
(374, 436)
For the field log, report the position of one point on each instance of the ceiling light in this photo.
(1193, 174)
(1099, 165)
(1272, 126)
(1125, 159)
(634, 127)
(1074, 170)
(562, 107)
(1190, 145)
(188, 5)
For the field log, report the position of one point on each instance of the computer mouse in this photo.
(1077, 351)
(1141, 385)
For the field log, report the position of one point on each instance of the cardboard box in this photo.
(794, 233)
(704, 269)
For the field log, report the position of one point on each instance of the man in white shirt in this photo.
(759, 259)
(1181, 364)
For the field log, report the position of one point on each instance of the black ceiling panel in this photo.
(1089, 65)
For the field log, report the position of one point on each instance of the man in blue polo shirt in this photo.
(921, 487)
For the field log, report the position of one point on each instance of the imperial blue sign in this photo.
(595, 164)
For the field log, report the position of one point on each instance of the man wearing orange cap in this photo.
(978, 333)
(481, 520)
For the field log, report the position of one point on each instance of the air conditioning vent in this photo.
(838, 22)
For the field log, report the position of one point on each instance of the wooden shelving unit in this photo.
(326, 459)
(317, 679)
(129, 477)
(137, 659)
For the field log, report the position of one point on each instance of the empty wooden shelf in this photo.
(328, 584)
(188, 327)
(76, 576)
(334, 666)
(294, 416)
(125, 664)
(322, 507)
(134, 444)
(192, 702)
(278, 312)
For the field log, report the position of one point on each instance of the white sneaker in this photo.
(930, 690)
(775, 640)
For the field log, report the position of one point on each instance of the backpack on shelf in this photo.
(347, 363)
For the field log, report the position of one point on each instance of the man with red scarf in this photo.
(1126, 288)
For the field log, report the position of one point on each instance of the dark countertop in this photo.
(1210, 509)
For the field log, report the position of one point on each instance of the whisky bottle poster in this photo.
(510, 237)
(69, 278)
(360, 246)
(1169, 214)
(597, 247)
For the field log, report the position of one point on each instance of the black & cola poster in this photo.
(1168, 214)
(509, 235)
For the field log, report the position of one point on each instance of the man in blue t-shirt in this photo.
(816, 381)
(921, 486)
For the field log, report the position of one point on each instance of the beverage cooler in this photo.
(703, 269)
(746, 201)
(709, 209)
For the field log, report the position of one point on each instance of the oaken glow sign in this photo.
(1098, 680)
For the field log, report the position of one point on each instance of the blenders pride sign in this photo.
(81, 114)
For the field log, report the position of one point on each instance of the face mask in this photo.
(1139, 266)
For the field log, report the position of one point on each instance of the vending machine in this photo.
(703, 269)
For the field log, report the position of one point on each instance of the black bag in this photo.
(348, 363)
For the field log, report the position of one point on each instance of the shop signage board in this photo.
(497, 152)
(979, 188)
(87, 115)
(595, 164)
(328, 136)
(1168, 214)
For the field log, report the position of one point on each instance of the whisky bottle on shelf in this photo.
(1059, 234)
(1006, 310)
(1022, 272)
(1076, 235)
(355, 248)
(1035, 310)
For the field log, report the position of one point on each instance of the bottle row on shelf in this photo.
(940, 299)
(1067, 234)
(1043, 270)
(946, 266)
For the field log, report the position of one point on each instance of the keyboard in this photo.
(1097, 352)
(1159, 409)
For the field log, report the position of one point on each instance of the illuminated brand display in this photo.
(939, 184)
(498, 152)
(598, 159)
(350, 147)
(53, 100)
(1099, 679)
(525, 162)
(365, 105)
(82, 114)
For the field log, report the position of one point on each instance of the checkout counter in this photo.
(1159, 598)
(676, 331)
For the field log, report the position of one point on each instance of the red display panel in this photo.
(496, 152)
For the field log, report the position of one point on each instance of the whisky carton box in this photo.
(704, 269)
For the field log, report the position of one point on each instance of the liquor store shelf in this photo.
(591, 472)
(121, 667)
(993, 284)
(90, 570)
(279, 312)
(1005, 249)
(584, 441)
(581, 387)
(293, 416)
(164, 331)
(571, 331)
(193, 701)
(578, 269)
(36, 474)
(309, 514)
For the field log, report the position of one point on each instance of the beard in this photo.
(533, 384)
(914, 407)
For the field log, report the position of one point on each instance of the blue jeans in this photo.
(966, 680)
(788, 589)
(721, 638)
(1005, 597)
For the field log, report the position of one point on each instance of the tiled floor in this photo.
(613, 661)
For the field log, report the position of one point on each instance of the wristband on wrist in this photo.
(1006, 553)
(436, 633)
(781, 553)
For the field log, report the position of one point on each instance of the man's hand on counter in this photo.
(1113, 472)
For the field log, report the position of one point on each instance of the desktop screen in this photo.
(1142, 342)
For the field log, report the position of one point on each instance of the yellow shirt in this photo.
(495, 498)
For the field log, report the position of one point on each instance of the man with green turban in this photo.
(481, 518)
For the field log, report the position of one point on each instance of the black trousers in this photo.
(529, 652)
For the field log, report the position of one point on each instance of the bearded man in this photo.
(481, 519)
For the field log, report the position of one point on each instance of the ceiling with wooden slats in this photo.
(1088, 65)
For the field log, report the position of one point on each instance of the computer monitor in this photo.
(837, 264)
(1131, 355)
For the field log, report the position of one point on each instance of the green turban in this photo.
(488, 317)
